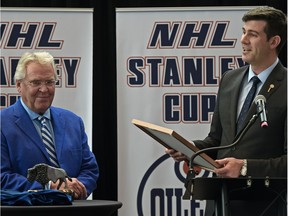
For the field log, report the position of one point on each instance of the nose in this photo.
(244, 38)
(43, 87)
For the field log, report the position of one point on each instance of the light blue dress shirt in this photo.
(34, 118)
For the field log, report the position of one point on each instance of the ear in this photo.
(18, 86)
(275, 41)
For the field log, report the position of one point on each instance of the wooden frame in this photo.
(171, 139)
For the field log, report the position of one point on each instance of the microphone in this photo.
(260, 101)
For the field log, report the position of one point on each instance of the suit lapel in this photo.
(274, 79)
(58, 124)
(27, 127)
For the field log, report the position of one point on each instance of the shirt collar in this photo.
(263, 75)
(34, 115)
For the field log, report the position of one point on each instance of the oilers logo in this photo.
(160, 191)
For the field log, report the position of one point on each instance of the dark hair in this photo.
(276, 22)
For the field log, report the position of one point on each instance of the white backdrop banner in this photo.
(68, 35)
(169, 65)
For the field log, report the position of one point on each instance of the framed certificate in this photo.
(171, 139)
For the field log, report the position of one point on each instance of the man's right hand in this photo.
(75, 185)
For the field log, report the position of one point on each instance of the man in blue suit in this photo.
(21, 143)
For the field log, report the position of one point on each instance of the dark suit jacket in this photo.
(265, 148)
(22, 148)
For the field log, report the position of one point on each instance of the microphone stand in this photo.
(191, 173)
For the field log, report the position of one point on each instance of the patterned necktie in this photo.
(249, 98)
(48, 141)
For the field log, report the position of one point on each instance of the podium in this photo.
(226, 190)
(78, 207)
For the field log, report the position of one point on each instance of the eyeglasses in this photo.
(38, 83)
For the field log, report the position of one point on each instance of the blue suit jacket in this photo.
(22, 148)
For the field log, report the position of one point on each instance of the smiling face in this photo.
(257, 50)
(37, 98)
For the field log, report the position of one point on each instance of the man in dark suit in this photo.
(21, 143)
(262, 151)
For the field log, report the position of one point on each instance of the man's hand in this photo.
(76, 186)
(176, 155)
(230, 167)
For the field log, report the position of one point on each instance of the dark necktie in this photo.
(249, 98)
(48, 141)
